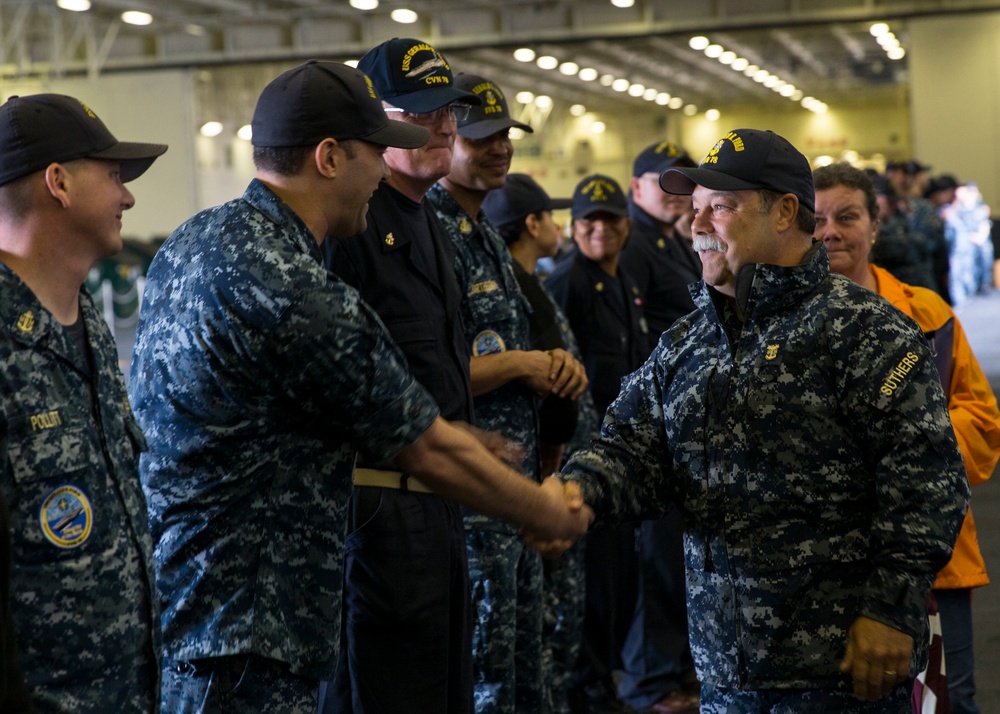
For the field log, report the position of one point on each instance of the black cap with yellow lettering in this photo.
(747, 159)
(491, 113)
(412, 75)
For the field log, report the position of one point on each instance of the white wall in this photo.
(156, 107)
(955, 87)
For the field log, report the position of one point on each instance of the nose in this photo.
(826, 231)
(502, 144)
(128, 200)
(700, 224)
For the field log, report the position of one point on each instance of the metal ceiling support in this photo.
(800, 51)
(31, 38)
(97, 55)
(13, 37)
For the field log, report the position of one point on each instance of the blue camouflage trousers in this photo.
(237, 684)
(718, 700)
(565, 597)
(506, 578)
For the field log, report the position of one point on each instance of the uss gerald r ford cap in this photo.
(319, 100)
(657, 158)
(599, 193)
(491, 115)
(41, 129)
(413, 76)
(747, 159)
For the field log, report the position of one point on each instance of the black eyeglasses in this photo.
(457, 112)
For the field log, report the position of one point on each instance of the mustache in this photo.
(702, 243)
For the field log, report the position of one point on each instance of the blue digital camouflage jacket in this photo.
(256, 376)
(82, 576)
(811, 451)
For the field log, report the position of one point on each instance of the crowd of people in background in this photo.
(934, 232)
(351, 387)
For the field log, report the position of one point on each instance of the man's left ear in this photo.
(788, 208)
(326, 157)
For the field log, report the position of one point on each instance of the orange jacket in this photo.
(974, 415)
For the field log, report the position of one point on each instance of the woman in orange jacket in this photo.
(847, 222)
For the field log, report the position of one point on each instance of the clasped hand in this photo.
(569, 521)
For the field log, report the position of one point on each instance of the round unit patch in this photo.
(488, 343)
(66, 517)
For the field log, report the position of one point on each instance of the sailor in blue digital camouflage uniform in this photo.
(406, 567)
(507, 375)
(657, 671)
(521, 211)
(799, 423)
(257, 376)
(82, 584)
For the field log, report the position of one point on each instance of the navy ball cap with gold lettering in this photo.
(747, 159)
(413, 76)
(599, 193)
(489, 117)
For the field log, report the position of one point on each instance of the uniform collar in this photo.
(443, 202)
(26, 321)
(267, 202)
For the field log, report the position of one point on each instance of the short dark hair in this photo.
(843, 174)
(511, 232)
(281, 160)
(288, 160)
(805, 220)
(15, 198)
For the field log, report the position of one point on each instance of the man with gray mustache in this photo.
(798, 421)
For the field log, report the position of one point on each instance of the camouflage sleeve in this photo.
(899, 412)
(627, 474)
(336, 358)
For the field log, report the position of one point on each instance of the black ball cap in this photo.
(41, 129)
(518, 198)
(657, 158)
(747, 159)
(327, 100)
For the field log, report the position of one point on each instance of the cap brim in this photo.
(613, 210)
(560, 203)
(135, 157)
(682, 181)
(660, 167)
(488, 127)
(399, 135)
(427, 100)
